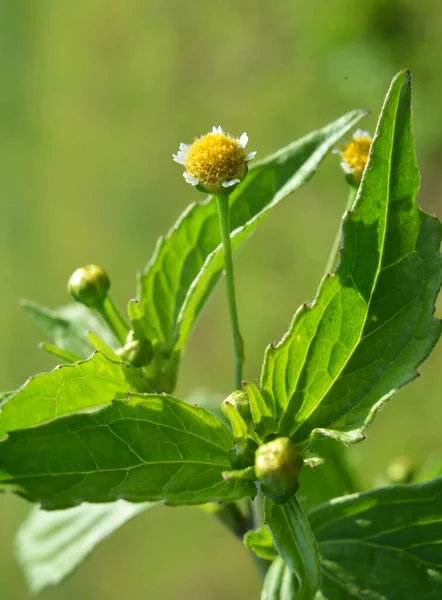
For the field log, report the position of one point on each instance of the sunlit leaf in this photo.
(67, 389)
(372, 322)
(145, 448)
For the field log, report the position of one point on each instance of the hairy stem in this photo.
(238, 344)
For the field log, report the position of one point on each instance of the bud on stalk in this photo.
(277, 466)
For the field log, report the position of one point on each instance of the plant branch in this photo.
(238, 344)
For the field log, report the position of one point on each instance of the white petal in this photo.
(227, 184)
(251, 155)
(360, 133)
(336, 151)
(190, 178)
(242, 141)
(184, 147)
(180, 157)
(346, 168)
(217, 130)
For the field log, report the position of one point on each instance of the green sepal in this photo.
(60, 353)
(231, 412)
(247, 473)
(264, 421)
(98, 344)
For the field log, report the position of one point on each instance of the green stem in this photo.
(113, 318)
(334, 254)
(238, 344)
(232, 517)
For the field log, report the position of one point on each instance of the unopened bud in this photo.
(89, 285)
(137, 352)
(242, 455)
(277, 466)
(401, 470)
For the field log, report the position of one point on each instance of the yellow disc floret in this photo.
(355, 154)
(215, 162)
(216, 158)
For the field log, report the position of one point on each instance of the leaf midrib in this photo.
(119, 470)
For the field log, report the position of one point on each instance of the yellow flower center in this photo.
(215, 158)
(355, 153)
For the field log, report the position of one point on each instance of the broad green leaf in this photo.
(188, 261)
(68, 389)
(145, 448)
(295, 544)
(67, 326)
(385, 544)
(260, 542)
(50, 545)
(372, 322)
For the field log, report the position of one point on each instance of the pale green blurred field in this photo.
(94, 98)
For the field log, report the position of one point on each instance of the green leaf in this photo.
(67, 326)
(188, 262)
(372, 323)
(4, 396)
(68, 389)
(295, 544)
(385, 544)
(147, 447)
(260, 542)
(333, 478)
(50, 545)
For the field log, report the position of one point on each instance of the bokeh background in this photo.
(94, 98)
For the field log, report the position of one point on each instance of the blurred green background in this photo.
(94, 98)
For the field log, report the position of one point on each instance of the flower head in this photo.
(215, 162)
(89, 285)
(354, 155)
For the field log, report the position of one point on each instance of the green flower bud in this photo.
(277, 466)
(89, 285)
(401, 470)
(137, 352)
(242, 455)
